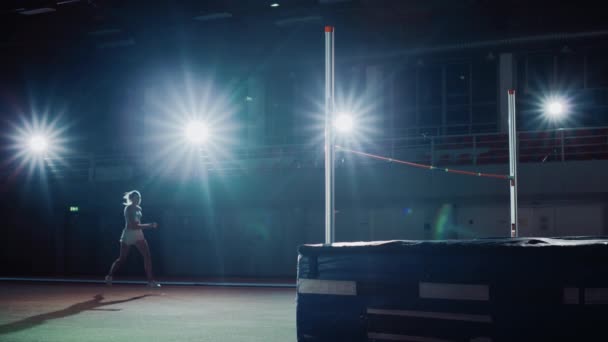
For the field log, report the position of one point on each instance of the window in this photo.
(570, 71)
(279, 108)
(458, 82)
(307, 110)
(484, 78)
(484, 113)
(430, 117)
(429, 83)
(597, 69)
(540, 72)
(404, 100)
(429, 98)
(458, 115)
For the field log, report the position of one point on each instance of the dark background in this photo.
(118, 76)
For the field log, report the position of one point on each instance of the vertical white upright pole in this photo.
(329, 136)
(513, 163)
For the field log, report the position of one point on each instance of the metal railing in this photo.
(561, 145)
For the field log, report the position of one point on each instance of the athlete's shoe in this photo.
(153, 284)
(109, 280)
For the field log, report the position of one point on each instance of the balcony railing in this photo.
(471, 149)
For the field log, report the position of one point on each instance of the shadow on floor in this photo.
(92, 304)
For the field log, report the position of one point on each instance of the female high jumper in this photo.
(133, 234)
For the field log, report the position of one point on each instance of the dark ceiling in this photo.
(244, 29)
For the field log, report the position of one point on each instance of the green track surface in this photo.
(60, 312)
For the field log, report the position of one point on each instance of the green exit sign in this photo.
(74, 209)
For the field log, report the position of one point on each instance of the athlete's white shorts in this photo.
(131, 236)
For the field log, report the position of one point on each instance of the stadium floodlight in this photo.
(344, 123)
(555, 108)
(38, 144)
(197, 132)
